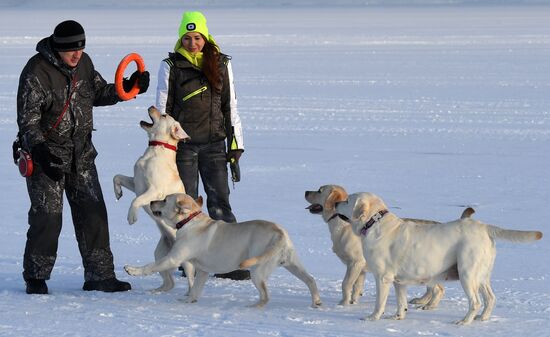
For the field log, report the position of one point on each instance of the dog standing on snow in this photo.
(402, 252)
(216, 246)
(155, 177)
(345, 244)
(348, 247)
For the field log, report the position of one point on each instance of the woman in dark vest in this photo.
(195, 86)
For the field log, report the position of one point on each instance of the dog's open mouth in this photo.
(144, 124)
(315, 208)
(157, 213)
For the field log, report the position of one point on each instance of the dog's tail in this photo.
(513, 235)
(467, 213)
(277, 244)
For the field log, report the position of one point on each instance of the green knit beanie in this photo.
(193, 22)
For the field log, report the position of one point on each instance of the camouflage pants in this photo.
(89, 216)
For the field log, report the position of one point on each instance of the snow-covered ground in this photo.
(432, 108)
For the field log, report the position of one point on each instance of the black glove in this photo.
(42, 155)
(234, 154)
(235, 171)
(15, 150)
(142, 81)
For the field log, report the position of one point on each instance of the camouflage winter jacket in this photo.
(43, 91)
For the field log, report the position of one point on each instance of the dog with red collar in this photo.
(216, 246)
(155, 177)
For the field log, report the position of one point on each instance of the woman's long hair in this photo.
(210, 65)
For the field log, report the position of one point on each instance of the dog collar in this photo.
(186, 220)
(374, 219)
(166, 145)
(340, 216)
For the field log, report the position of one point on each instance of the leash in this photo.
(72, 90)
(166, 145)
(185, 221)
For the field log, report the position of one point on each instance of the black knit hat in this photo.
(68, 36)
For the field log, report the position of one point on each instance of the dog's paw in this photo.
(132, 216)
(257, 305)
(373, 317)
(344, 302)
(117, 188)
(118, 192)
(398, 317)
(427, 307)
(463, 322)
(162, 289)
(134, 271)
(420, 301)
(482, 317)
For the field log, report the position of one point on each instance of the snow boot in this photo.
(110, 285)
(35, 286)
(237, 275)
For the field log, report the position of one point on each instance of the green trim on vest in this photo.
(169, 62)
(195, 93)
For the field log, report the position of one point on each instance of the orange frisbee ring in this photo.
(119, 76)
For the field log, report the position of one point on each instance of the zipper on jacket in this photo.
(195, 93)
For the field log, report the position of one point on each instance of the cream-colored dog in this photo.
(345, 244)
(156, 176)
(215, 246)
(434, 293)
(403, 252)
(348, 247)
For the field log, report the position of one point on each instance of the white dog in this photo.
(403, 252)
(156, 176)
(215, 246)
(348, 247)
(345, 244)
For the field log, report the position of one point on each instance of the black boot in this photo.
(35, 286)
(110, 285)
(237, 275)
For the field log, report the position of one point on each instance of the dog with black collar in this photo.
(402, 252)
(349, 249)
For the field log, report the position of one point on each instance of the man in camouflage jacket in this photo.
(57, 90)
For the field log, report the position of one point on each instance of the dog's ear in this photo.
(180, 207)
(178, 133)
(199, 200)
(366, 206)
(361, 212)
(336, 195)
